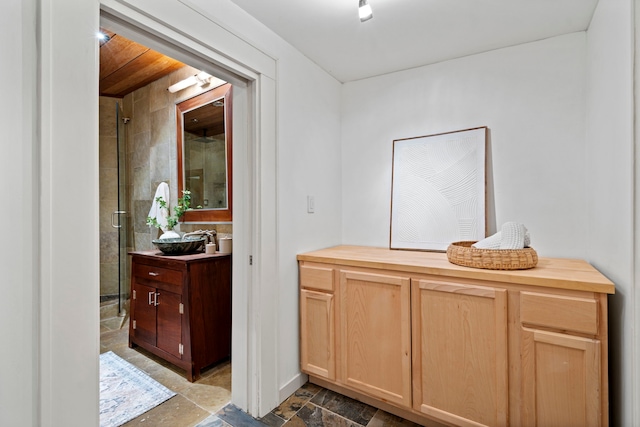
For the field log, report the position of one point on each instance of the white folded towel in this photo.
(161, 214)
(513, 235)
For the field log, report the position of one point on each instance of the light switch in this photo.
(311, 204)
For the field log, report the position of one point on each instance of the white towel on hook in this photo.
(157, 212)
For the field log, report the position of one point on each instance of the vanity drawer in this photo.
(566, 313)
(157, 274)
(316, 277)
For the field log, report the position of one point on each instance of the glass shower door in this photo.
(120, 217)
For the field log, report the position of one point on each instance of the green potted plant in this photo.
(183, 205)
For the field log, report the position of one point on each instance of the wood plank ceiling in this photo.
(126, 66)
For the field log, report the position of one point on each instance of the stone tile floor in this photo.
(205, 403)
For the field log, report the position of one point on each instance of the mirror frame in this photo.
(207, 215)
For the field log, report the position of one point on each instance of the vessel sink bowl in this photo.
(179, 246)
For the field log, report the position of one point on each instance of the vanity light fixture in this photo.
(365, 11)
(201, 79)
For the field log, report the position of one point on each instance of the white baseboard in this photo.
(292, 385)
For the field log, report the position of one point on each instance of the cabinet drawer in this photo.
(157, 274)
(315, 277)
(561, 312)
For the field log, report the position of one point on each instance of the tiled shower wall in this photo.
(108, 175)
(152, 151)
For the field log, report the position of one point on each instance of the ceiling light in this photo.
(201, 79)
(365, 11)
(102, 36)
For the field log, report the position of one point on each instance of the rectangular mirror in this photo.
(204, 154)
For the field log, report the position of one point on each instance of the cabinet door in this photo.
(375, 335)
(460, 367)
(560, 380)
(144, 313)
(169, 323)
(317, 334)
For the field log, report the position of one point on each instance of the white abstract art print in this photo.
(438, 190)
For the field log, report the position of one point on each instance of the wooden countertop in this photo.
(550, 272)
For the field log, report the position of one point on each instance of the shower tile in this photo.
(159, 96)
(108, 183)
(108, 151)
(107, 114)
(159, 168)
(140, 154)
(143, 242)
(140, 212)
(141, 186)
(108, 247)
(109, 272)
(162, 127)
(140, 118)
(141, 94)
(107, 207)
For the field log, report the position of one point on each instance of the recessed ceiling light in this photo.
(102, 36)
(364, 11)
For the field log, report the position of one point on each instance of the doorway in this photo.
(69, 33)
(145, 116)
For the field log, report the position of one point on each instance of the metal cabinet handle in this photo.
(150, 294)
(153, 273)
(156, 300)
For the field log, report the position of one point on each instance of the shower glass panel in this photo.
(120, 218)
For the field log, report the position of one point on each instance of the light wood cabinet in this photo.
(317, 337)
(460, 360)
(375, 333)
(434, 342)
(562, 360)
(317, 317)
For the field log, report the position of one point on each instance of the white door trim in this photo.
(204, 44)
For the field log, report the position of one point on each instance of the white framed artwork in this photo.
(438, 191)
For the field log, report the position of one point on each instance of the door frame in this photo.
(254, 377)
(62, 61)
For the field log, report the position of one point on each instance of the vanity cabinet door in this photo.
(144, 313)
(375, 335)
(317, 334)
(169, 323)
(460, 365)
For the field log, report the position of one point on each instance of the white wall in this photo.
(18, 261)
(609, 162)
(532, 99)
(308, 159)
(51, 372)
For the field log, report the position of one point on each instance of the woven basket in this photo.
(462, 253)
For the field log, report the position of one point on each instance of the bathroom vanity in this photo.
(415, 335)
(181, 308)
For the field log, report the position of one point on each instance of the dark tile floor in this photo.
(205, 403)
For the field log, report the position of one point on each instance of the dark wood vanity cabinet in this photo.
(181, 308)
